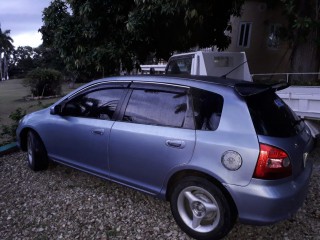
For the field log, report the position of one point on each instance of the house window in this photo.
(244, 34)
(273, 40)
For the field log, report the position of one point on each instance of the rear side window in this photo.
(154, 107)
(207, 107)
(271, 116)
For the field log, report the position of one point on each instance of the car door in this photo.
(80, 134)
(154, 135)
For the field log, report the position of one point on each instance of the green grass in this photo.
(14, 95)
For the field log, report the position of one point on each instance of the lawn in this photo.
(13, 95)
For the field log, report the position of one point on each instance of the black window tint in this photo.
(207, 109)
(99, 104)
(271, 116)
(156, 108)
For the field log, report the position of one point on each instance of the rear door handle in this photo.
(98, 131)
(175, 143)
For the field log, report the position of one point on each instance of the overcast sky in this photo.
(23, 18)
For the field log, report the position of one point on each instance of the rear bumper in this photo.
(265, 202)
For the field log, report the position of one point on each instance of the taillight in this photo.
(273, 163)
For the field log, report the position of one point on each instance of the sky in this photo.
(23, 18)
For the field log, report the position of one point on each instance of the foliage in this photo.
(98, 37)
(44, 82)
(303, 34)
(21, 62)
(167, 26)
(303, 17)
(25, 59)
(9, 131)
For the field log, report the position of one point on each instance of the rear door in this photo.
(154, 135)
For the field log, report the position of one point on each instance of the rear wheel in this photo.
(37, 154)
(201, 209)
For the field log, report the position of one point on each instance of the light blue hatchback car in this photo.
(218, 149)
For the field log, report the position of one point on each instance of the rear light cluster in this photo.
(273, 163)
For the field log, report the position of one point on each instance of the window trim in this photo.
(243, 32)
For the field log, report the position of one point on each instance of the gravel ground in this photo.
(62, 203)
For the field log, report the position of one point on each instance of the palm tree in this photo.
(6, 48)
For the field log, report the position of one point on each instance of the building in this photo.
(256, 32)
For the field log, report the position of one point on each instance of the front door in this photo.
(80, 135)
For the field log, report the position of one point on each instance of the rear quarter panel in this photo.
(235, 132)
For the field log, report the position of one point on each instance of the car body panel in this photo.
(273, 200)
(140, 155)
(85, 143)
(297, 147)
(145, 157)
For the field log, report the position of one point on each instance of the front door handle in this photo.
(176, 143)
(98, 131)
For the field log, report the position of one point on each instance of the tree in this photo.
(6, 48)
(304, 35)
(22, 61)
(97, 37)
(91, 40)
(166, 26)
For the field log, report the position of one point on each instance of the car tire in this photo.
(37, 154)
(201, 209)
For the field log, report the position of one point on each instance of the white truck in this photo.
(229, 64)
(232, 64)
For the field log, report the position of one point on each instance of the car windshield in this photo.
(271, 116)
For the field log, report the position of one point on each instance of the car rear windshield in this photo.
(271, 116)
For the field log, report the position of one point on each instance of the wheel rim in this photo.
(198, 209)
(30, 151)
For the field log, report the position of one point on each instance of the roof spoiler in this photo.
(250, 89)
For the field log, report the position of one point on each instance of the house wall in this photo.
(261, 57)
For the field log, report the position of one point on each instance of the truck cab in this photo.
(220, 64)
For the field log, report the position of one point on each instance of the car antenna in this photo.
(225, 75)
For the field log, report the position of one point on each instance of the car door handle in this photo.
(98, 131)
(175, 143)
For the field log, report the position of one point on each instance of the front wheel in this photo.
(201, 209)
(37, 154)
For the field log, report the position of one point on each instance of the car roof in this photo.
(179, 78)
(243, 88)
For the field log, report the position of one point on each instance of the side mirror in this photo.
(56, 110)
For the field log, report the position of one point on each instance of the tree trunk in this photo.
(1, 68)
(305, 59)
(5, 67)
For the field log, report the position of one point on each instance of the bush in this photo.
(8, 132)
(44, 82)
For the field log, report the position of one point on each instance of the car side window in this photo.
(99, 104)
(154, 107)
(207, 107)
